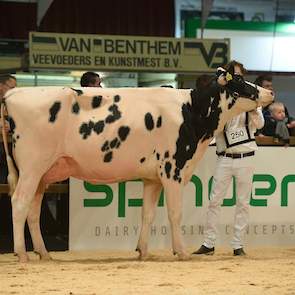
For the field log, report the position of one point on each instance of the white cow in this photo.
(110, 135)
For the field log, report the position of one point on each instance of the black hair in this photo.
(265, 77)
(88, 78)
(230, 67)
(6, 77)
(203, 81)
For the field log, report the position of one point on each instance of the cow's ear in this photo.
(222, 76)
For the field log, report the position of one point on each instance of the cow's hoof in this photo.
(22, 258)
(45, 256)
(142, 255)
(183, 256)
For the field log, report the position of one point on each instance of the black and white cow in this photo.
(110, 135)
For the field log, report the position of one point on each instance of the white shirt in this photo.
(256, 121)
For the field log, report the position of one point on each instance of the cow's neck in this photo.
(202, 118)
(200, 121)
(227, 112)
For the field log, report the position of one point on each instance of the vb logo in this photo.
(215, 56)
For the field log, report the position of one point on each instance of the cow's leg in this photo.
(151, 194)
(34, 224)
(173, 193)
(21, 202)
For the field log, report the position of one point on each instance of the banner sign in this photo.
(108, 216)
(126, 53)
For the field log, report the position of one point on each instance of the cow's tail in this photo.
(12, 177)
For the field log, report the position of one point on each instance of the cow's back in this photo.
(108, 134)
(121, 132)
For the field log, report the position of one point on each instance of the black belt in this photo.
(236, 156)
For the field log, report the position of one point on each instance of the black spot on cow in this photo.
(117, 98)
(53, 111)
(86, 128)
(105, 146)
(168, 167)
(206, 111)
(75, 108)
(113, 108)
(158, 156)
(108, 157)
(118, 144)
(78, 91)
(232, 103)
(110, 119)
(186, 137)
(123, 132)
(114, 142)
(17, 137)
(13, 141)
(98, 127)
(96, 101)
(176, 175)
(149, 121)
(116, 114)
(159, 122)
(142, 160)
(166, 155)
(11, 124)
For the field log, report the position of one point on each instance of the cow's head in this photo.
(242, 95)
(222, 98)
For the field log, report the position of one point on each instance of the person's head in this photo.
(90, 79)
(277, 111)
(264, 81)
(203, 81)
(235, 68)
(7, 82)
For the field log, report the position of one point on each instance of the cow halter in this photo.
(236, 95)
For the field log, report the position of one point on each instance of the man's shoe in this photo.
(239, 252)
(204, 250)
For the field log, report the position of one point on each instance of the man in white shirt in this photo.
(235, 148)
